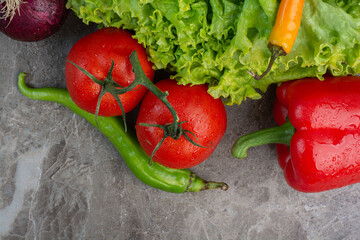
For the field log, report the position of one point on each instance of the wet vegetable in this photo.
(218, 42)
(95, 92)
(203, 123)
(284, 32)
(318, 138)
(154, 175)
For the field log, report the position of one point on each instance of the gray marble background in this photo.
(61, 179)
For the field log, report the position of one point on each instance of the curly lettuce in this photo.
(218, 41)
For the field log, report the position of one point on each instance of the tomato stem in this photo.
(143, 80)
(173, 130)
(155, 175)
(107, 85)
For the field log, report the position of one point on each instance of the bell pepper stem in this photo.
(281, 134)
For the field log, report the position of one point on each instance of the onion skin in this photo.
(38, 19)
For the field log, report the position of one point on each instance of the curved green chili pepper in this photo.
(154, 175)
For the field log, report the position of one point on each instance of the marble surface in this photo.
(61, 179)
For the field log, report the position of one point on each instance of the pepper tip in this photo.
(224, 187)
(214, 185)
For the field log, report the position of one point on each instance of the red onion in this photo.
(32, 20)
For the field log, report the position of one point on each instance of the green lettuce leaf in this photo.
(218, 41)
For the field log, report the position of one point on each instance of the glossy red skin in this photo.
(206, 118)
(325, 149)
(280, 115)
(94, 53)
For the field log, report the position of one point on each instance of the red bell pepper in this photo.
(318, 140)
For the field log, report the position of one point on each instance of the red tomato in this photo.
(205, 116)
(94, 53)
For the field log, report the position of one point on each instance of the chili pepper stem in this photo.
(155, 175)
(215, 185)
(281, 134)
(276, 51)
(198, 184)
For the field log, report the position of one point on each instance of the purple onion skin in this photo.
(38, 19)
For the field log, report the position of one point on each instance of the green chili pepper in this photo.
(154, 175)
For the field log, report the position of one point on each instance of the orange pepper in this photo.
(287, 24)
(284, 32)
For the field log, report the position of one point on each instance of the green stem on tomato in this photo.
(154, 175)
(144, 81)
(107, 85)
(173, 130)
